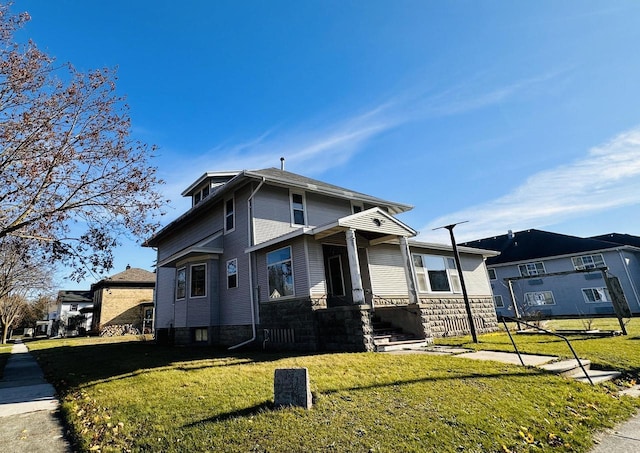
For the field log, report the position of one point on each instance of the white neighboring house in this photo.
(72, 303)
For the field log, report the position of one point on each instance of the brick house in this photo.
(124, 298)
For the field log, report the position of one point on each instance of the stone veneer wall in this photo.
(448, 317)
(315, 327)
(295, 314)
(346, 329)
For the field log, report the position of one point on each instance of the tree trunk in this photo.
(5, 330)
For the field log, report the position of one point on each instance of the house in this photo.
(73, 312)
(125, 298)
(275, 258)
(544, 274)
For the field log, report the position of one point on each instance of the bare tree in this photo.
(74, 182)
(22, 274)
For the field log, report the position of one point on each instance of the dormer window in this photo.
(201, 194)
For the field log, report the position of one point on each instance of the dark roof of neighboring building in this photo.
(618, 238)
(132, 277)
(534, 244)
(74, 296)
(283, 178)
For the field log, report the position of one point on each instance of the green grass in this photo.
(120, 395)
(618, 353)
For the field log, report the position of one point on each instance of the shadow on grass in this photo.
(268, 406)
(71, 367)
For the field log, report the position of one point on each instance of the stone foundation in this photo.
(346, 329)
(448, 317)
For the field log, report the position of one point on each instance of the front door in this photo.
(336, 276)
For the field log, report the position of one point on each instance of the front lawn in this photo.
(122, 395)
(616, 353)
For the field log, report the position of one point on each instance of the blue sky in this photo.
(508, 115)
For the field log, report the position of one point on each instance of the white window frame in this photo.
(276, 263)
(424, 284)
(491, 271)
(191, 285)
(580, 265)
(229, 215)
(599, 291)
(535, 296)
(532, 269)
(180, 270)
(497, 298)
(235, 260)
(293, 210)
(73, 307)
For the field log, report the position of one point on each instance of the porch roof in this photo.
(208, 246)
(375, 220)
(380, 226)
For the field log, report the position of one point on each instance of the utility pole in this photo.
(456, 256)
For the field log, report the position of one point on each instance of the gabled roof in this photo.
(618, 238)
(277, 177)
(536, 244)
(74, 296)
(133, 277)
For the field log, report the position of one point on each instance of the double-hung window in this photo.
(531, 269)
(198, 280)
(436, 273)
(181, 283)
(280, 271)
(298, 211)
(232, 273)
(581, 263)
(229, 215)
(492, 274)
(594, 295)
(539, 298)
(498, 302)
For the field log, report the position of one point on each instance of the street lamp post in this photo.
(456, 256)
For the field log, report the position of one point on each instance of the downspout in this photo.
(250, 232)
(626, 269)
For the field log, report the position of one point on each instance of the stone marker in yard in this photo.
(291, 387)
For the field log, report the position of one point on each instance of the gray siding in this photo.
(387, 271)
(317, 277)
(322, 209)
(235, 307)
(164, 294)
(192, 233)
(272, 214)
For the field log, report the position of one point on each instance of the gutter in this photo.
(251, 292)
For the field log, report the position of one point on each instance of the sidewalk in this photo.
(28, 408)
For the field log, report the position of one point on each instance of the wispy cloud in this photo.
(608, 177)
(312, 148)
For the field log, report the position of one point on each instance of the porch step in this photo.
(571, 369)
(566, 367)
(401, 345)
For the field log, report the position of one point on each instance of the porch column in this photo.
(408, 270)
(354, 267)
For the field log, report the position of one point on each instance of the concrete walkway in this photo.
(29, 420)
